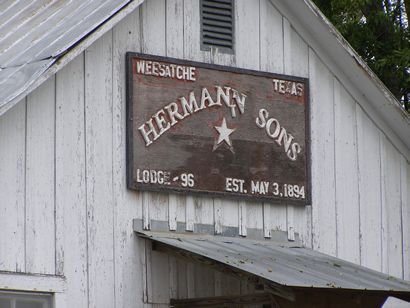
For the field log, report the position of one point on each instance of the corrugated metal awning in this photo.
(282, 264)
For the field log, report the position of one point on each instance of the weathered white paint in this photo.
(226, 211)
(347, 185)
(98, 168)
(272, 58)
(323, 156)
(12, 192)
(359, 183)
(295, 62)
(192, 51)
(349, 68)
(368, 150)
(129, 253)
(153, 29)
(175, 28)
(247, 42)
(189, 213)
(40, 171)
(32, 282)
(406, 227)
(405, 211)
(71, 206)
(272, 49)
(392, 261)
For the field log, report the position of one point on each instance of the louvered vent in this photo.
(217, 25)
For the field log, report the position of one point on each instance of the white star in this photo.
(224, 133)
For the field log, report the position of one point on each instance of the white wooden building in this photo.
(66, 214)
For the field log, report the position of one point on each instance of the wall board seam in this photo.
(55, 175)
(358, 179)
(114, 199)
(334, 159)
(87, 257)
(25, 186)
(403, 197)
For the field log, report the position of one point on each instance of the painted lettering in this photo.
(278, 133)
(259, 187)
(235, 185)
(166, 70)
(162, 120)
(153, 177)
(288, 87)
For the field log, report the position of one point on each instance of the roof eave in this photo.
(73, 52)
(354, 68)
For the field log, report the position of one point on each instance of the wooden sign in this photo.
(195, 127)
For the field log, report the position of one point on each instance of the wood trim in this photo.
(32, 282)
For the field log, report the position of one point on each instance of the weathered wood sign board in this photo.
(195, 127)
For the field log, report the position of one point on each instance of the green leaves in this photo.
(378, 31)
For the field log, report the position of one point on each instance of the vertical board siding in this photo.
(154, 34)
(191, 50)
(271, 37)
(192, 41)
(40, 171)
(173, 277)
(71, 212)
(129, 251)
(404, 216)
(98, 140)
(175, 28)
(368, 148)
(68, 210)
(406, 227)
(323, 156)
(153, 31)
(247, 50)
(391, 210)
(271, 59)
(298, 56)
(295, 62)
(189, 213)
(206, 210)
(346, 169)
(159, 278)
(204, 281)
(12, 192)
(182, 279)
(247, 42)
(287, 64)
(153, 27)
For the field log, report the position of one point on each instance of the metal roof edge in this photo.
(158, 226)
(373, 96)
(74, 51)
(281, 262)
(359, 60)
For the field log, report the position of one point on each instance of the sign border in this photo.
(129, 127)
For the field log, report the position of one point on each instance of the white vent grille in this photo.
(217, 24)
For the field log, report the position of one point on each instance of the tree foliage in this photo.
(378, 30)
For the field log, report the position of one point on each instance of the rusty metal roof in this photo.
(35, 33)
(282, 263)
